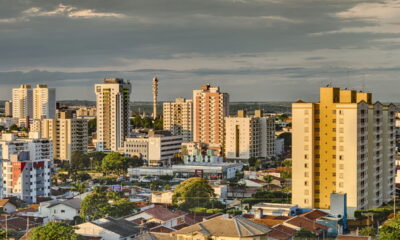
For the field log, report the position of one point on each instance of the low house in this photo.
(61, 210)
(162, 197)
(224, 228)
(108, 229)
(158, 214)
(274, 209)
(7, 206)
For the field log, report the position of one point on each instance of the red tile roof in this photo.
(307, 224)
(163, 213)
(276, 234)
(271, 221)
(285, 229)
(314, 214)
(161, 229)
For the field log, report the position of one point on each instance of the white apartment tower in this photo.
(343, 144)
(44, 102)
(22, 99)
(25, 167)
(249, 136)
(177, 118)
(113, 126)
(210, 107)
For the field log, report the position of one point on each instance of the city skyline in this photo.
(275, 50)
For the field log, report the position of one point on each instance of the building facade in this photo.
(343, 144)
(177, 118)
(22, 99)
(8, 108)
(67, 134)
(26, 167)
(44, 102)
(249, 136)
(112, 112)
(155, 148)
(210, 106)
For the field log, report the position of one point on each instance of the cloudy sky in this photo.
(257, 50)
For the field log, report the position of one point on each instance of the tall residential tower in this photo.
(113, 126)
(343, 144)
(177, 118)
(210, 107)
(22, 102)
(44, 102)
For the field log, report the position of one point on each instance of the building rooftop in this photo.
(314, 214)
(121, 227)
(227, 226)
(74, 203)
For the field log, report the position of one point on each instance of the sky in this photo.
(256, 50)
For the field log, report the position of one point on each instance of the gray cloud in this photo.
(275, 50)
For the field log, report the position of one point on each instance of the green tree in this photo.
(97, 205)
(137, 121)
(304, 234)
(95, 159)
(13, 127)
(158, 124)
(1, 128)
(147, 122)
(54, 230)
(94, 206)
(92, 126)
(287, 136)
(391, 229)
(113, 163)
(79, 187)
(368, 231)
(268, 179)
(79, 160)
(133, 162)
(191, 192)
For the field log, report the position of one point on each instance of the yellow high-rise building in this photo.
(343, 144)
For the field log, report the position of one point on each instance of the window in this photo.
(62, 211)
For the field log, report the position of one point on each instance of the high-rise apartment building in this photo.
(210, 107)
(177, 118)
(249, 136)
(113, 126)
(26, 167)
(22, 99)
(44, 102)
(8, 108)
(343, 144)
(67, 134)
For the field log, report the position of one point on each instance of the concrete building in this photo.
(22, 99)
(67, 134)
(8, 109)
(177, 118)
(85, 111)
(112, 106)
(155, 148)
(343, 144)
(60, 209)
(44, 102)
(249, 136)
(26, 166)
(273, 209)
(210, 107)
